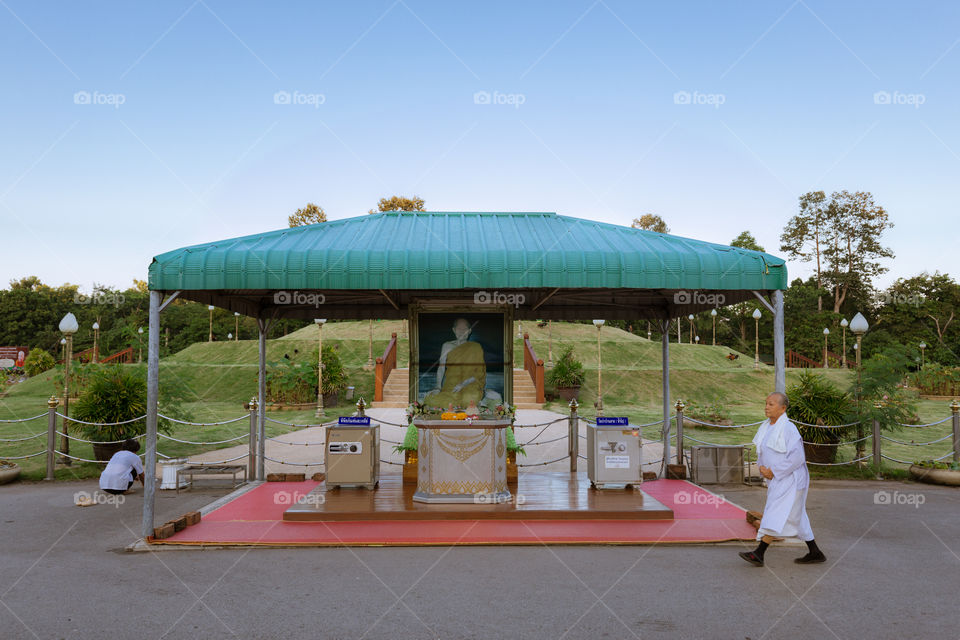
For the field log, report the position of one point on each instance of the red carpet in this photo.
(254, 518)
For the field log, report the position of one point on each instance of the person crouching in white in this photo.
(124, 467)
(782, 462)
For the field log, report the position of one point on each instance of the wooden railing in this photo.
(795, 359)
(534, 366)
(121, 357)
(385, 364)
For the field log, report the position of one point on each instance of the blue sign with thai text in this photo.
(363, 420)
(603, 421)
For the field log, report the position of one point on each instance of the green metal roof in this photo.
(464, 250)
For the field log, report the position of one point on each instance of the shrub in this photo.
(38, 361)
(815, 401)
(116, 394)
(567, 372)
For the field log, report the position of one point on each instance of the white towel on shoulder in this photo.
(771, 435)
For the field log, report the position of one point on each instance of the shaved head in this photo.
(781, 398)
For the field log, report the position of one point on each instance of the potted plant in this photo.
(8, 471)
(567, 375)
(815, 401)
(117, 394)
(935, 472)
(409, 449)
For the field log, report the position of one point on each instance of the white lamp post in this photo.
(713, 314)
(96, 336)
(859, 327)
(68, 326)
(826, 334)
(210, 308)
(140, 344)
(369, 365)
(598, 324)
(229, 336)
(690, 318)
(923, 345)
(843, 356)
(697, 339)
(549, 343)
(236, 325)
(756, 338)
(319, 322)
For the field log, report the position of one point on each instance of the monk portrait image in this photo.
(457, 374)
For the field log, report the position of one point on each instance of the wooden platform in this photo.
(537, 496)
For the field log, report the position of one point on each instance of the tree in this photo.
(400, 203)
(853, 249)
(650, 222)
(802, 237)
(746, 241)
(310, 214)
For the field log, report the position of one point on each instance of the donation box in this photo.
(613, 453)
(353, 455)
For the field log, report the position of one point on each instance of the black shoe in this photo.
(752, 558)
(812, 558)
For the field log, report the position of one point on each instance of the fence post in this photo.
(52, 434)
(361, 405)
(955, 408)
(252, 461)
(573, 435)
(679, 407)
(877, 458)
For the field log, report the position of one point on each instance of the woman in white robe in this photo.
(781, 461)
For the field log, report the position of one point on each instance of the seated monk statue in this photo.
(461, 372)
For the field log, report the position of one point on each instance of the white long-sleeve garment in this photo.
(780, 447)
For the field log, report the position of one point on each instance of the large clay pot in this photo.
(948, 477)
(102, 451)
(568, 393)
(9, 472)
(820, 453)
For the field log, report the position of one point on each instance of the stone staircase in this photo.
(396, 391)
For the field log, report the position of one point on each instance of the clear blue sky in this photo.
(200, 149)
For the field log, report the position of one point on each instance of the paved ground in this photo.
(892, 573)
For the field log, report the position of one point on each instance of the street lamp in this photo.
(826, 334)
(713, 314)
(369, 365)
(549, 343)
(68, 326)
(843, 355)
(236, 325)
(229, 336)
(96, 335)
(598, 324)
(319, 322)
(923, 345)
(690, 318)
(210, 308)
(140, 344)
(756, 338)
(697, 339)
(859, 327)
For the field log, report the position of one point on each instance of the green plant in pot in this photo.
(116, 394)
(567, 375)
(815, 401)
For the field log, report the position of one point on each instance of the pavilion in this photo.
(383, 265)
